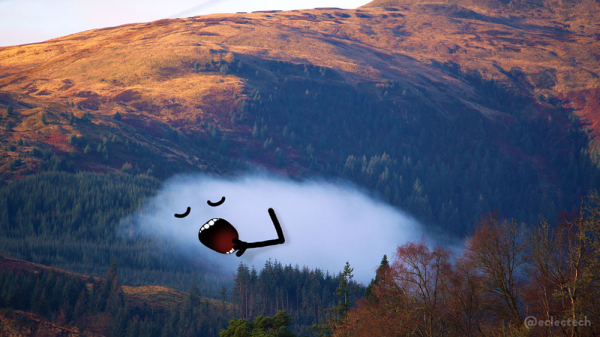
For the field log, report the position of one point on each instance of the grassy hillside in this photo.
(447, 110)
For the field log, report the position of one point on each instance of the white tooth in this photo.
(205, 227)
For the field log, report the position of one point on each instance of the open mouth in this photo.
(217, 234)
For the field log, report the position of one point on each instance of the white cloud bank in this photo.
(325, 224)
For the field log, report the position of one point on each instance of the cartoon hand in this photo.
(240, 246)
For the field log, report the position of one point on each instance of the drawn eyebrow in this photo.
(215, 204)
(187, 212)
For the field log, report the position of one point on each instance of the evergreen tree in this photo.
(276, 326)
(71, 118)
(87, 117)
(224, 69)
(380, 274)
(337, 314)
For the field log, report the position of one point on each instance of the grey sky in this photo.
(29, 21)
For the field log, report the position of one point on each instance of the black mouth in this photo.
(217, 234)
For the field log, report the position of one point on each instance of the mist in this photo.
(324, 223)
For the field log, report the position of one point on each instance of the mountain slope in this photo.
(445, 111)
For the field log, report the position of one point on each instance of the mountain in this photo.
(447, 110)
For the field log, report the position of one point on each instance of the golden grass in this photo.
(156, 297)
(160, 58)
(373, 44)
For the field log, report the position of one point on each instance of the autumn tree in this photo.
(498, 251)
(565, 266)
(467, 314)
(383, 311)
(421, 273)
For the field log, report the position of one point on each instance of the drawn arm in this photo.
(241, 246)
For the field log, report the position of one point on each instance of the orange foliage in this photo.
(505, 273)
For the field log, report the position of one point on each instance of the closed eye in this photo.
(215, 204)
(187, 212)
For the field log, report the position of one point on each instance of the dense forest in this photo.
(102, 306)
(302, 293)
(70, 221)
(99, 305)
(446, 171)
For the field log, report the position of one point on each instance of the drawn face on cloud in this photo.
(219, 235)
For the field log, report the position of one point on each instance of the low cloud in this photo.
(325, 223)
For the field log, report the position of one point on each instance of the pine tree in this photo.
(87, 117)
(344, 293)
(224, 69)
(71, 118)
(240, 293)
(384, 266)
(279, 159)
(223, 298)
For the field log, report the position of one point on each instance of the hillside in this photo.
(41, 300)
(447, 110)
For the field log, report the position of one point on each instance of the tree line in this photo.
(299, 292)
